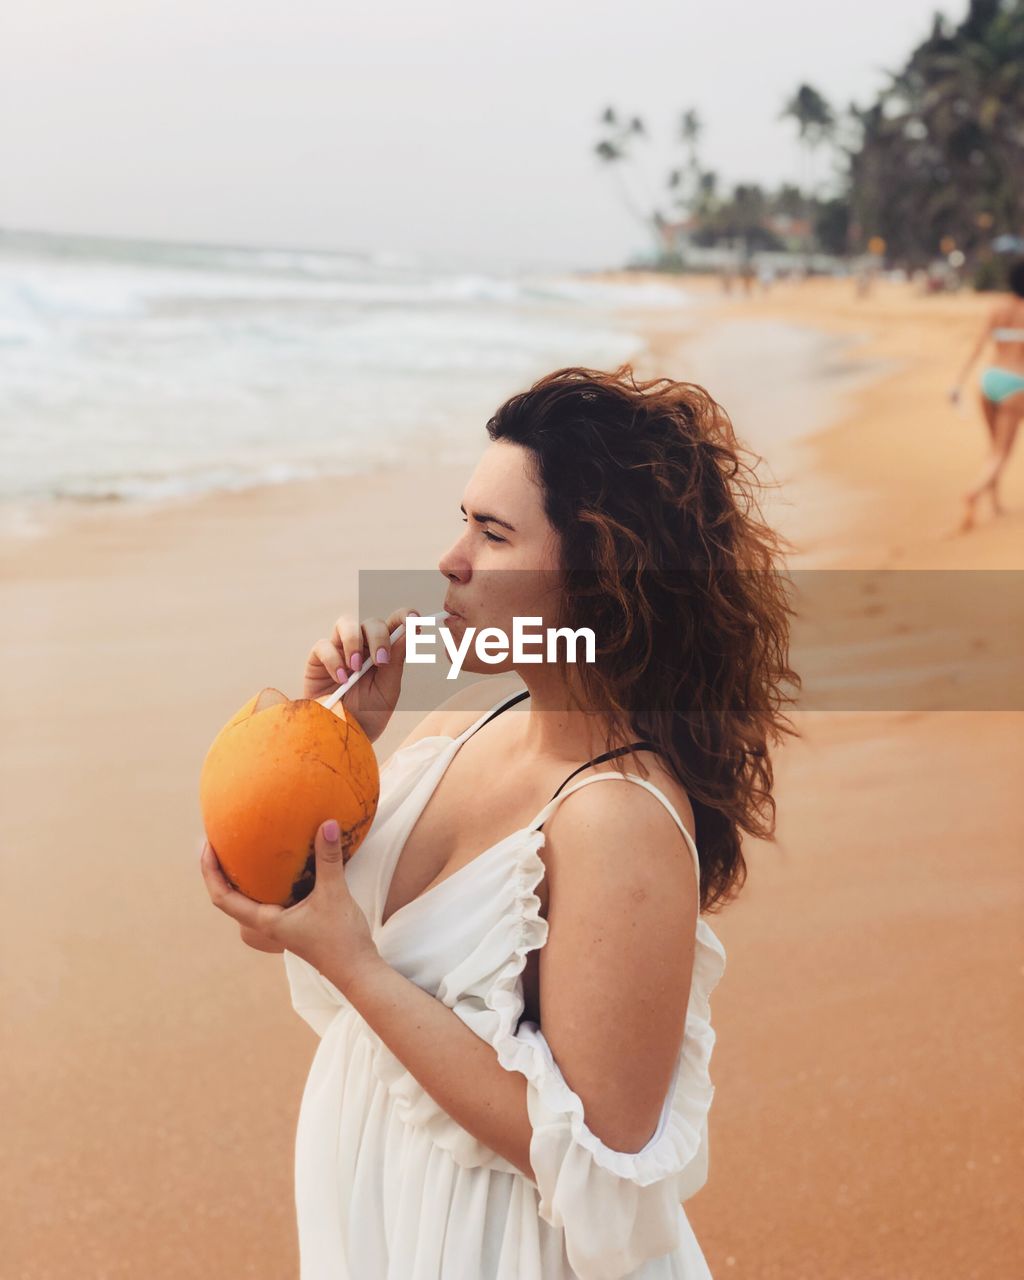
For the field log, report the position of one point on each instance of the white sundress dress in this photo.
(388, 1186)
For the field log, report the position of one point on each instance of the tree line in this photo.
(933, 167)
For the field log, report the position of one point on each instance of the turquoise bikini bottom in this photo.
(997, 384)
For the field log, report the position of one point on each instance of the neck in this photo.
(555, 729)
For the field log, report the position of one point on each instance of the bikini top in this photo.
(608, 755)
(1008, 335)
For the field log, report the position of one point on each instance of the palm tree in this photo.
(690, 185)
(941, 152)
(815, 123)
(615, 151)
(964, 93)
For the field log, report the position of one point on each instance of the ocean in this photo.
(145, 372)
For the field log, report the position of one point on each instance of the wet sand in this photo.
(867, 1121)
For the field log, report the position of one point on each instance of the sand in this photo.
(868, 1118)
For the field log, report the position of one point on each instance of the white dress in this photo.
(387, 1185)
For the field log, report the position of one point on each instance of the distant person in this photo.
(867, 274)
(1002, 390)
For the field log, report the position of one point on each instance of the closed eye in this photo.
(486, 532)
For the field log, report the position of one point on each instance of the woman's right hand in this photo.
(373, 698)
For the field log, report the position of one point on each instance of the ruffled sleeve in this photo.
(314, 997)
(617, 1209)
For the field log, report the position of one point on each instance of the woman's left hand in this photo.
(327, 928)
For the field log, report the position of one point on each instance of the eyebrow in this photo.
(482, 518)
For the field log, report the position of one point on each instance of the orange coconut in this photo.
(274, 773)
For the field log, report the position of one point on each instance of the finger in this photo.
(378, 638)
(330, 854)
(224, 896)
(333, 661)
(399, 618)
(347, 638)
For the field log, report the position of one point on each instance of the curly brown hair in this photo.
(666, 558)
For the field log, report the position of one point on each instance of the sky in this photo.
(454, 129)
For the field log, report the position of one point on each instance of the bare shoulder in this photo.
(612, 839)
(616, 969)
(633, 800)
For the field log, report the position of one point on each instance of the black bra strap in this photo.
(608, 755)
(511, 703)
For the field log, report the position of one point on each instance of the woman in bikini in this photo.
(466, 945)
(1002, 391)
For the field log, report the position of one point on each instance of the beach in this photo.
(867, 1120)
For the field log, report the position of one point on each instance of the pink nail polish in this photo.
(342, 675)
(355, 661)
(382, 656)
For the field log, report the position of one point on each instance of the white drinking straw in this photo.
(331, 698)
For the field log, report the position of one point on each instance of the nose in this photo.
(454, 564)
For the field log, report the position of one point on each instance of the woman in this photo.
(1002, 391)
(443, 1133)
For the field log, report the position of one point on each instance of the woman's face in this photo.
(506, 566)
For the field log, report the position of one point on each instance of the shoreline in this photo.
(693, 339)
